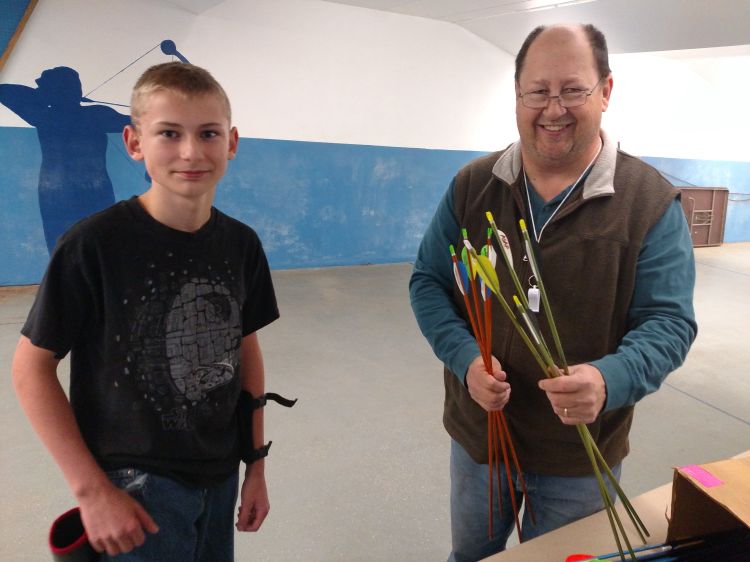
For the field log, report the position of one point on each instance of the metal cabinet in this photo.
(706, 210)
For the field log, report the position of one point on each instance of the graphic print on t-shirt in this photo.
(184, 344)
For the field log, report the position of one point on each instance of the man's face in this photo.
(184, 141)
(555, 137)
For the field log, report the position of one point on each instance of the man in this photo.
(617, 262)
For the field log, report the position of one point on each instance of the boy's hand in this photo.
(489, 390)
(114, 521)
(254, 504)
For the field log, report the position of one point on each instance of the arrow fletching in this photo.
(487, 272)
(468, 254)
(489, 252)
(456, 273)
(505, 247)
(465, 259)
(464, 274)
(492, 255)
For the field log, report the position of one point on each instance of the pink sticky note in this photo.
(704, 477)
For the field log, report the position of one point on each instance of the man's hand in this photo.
(114, 521)
(489, 390)
(578, 398)
(254, 504)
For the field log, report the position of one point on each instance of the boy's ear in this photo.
(234, 141)
(132, 142)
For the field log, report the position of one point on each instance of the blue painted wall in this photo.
(12, 13)
(715, 173)
(313, 204)
(321, 204)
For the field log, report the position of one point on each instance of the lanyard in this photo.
(538, 236)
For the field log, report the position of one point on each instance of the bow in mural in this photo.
(168, 47)
(73, 178)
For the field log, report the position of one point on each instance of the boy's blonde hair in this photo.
(179, 77)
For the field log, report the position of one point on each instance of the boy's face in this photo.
(185, 143)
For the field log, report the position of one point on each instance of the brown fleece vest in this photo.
(587, 256)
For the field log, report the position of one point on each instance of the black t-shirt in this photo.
(153, 318)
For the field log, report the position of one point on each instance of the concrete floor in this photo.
(359, 468)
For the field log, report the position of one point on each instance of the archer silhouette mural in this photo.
(73, 179)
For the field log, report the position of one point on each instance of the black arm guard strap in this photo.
(245, 407)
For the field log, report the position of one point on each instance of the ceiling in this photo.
(630, 25)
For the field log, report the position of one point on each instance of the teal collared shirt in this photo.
(661, 316)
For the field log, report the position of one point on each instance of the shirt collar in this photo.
(600, 180)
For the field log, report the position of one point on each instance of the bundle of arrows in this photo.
(523, 320)
(478, 302)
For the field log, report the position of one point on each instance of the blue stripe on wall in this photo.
(715, 173)
(23, 252)
(313, 204)
(318, 204)
(12, 14)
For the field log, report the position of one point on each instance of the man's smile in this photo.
(554, 127)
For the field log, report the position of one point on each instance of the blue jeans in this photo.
(555, 500)
(195, 524)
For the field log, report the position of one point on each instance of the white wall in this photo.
(328, 72)
(95, 38)
(682, 105)
(294, 69)
(319, 71)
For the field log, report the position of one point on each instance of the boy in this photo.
(158, 299)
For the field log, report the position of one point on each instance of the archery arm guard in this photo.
(246, 405)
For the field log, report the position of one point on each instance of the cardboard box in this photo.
(710, 498)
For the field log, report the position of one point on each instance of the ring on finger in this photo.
(565, 412)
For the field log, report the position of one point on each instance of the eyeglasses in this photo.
(569, 97)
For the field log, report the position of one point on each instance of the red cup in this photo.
(68, 541)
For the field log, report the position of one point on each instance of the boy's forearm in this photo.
(45, 404)
(253, 381)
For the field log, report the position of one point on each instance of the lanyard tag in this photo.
(534, 299)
